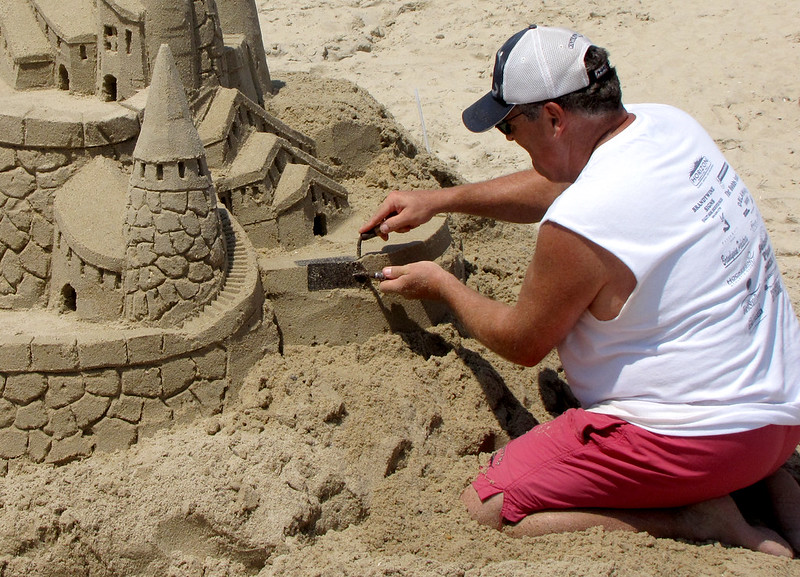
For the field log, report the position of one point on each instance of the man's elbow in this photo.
(527, 355)
(530, 361)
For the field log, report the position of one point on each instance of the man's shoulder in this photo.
(658, 110)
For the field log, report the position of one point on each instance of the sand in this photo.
(348, 460)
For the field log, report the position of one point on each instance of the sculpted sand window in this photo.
(69, 299)
(320, 225)
(110, 38)
(225, 199)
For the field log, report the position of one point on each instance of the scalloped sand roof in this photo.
(132, 9)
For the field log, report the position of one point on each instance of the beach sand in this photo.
(349, 460)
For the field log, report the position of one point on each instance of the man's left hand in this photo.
(418, 280)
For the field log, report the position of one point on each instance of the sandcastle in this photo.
(156, 223)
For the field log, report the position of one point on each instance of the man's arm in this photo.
(567, 276)
(520, 197)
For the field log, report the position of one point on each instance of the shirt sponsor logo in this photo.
(743, 270)
(730, 257)
(700, 170)
(703, 200)
(732, 185)
(721, 174)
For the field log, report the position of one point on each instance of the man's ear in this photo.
(555, 116)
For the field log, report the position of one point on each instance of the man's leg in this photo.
(584, 469)
(716, 519)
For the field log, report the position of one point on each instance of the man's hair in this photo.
(601, 97)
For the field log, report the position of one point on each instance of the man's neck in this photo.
(615, 125)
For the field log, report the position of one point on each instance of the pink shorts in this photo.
(589, 460)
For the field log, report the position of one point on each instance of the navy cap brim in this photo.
(484, 114)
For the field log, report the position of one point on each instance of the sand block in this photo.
(48, 128)
(89, 409)
(63, 390)
(65, 450)
(101, 349)
(23, 388)
(114, 435)
(54, 353)
(13, 443)
(15, 352)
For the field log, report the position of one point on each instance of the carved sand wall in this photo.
(68, 387)
(57, 417)
(30, 174)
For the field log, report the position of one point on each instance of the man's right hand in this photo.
(521, 197)
(401, 211)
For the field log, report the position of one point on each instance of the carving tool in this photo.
(343, 271)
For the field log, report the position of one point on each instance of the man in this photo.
(654, 276)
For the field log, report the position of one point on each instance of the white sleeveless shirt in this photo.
(707, 343)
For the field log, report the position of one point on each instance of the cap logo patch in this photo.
(572, 40)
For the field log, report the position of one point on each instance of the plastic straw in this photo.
(422, 121)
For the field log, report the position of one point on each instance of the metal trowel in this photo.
(340, 271)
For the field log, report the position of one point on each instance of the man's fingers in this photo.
(384, 211)
(392, 272)
(379, 223)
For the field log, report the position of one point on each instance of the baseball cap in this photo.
(535, 64)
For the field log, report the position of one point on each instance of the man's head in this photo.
(542, 64)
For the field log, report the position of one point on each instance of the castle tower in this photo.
(171, 22)
(175, 257)
(241, 17)
(192, 30)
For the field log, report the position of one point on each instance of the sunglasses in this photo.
(504, 125)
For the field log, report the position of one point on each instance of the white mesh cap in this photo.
(538, 63)
(545, 63)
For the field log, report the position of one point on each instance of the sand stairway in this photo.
(239, 296)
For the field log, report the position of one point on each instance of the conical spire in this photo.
(168, 133)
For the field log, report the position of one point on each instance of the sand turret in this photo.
(165, 21)
(192, 30)
(241, 17)
(175, 250)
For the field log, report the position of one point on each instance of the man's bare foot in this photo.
(784, 493)
(720, 520)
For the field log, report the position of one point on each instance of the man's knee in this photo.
(488, 512)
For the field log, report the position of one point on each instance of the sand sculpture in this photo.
(156, 223)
